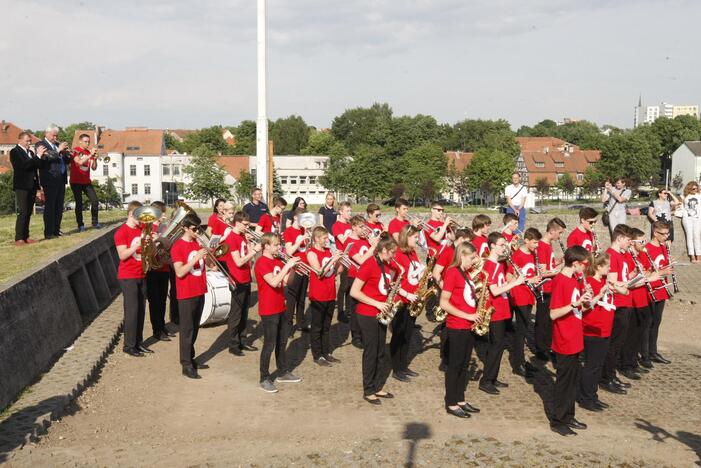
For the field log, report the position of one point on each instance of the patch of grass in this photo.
(17, 260)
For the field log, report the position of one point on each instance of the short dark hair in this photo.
(23, 134)
(357, 220)
(532, 234)
(84, 135)
(480, 221)
(464, 233)
(134, 204)
(554, 223)
(279, 201)
(576, 253)
(509, 217)
(621, 230)
(635, 233)
(191, 220)
(159, 204)
(493, 238)
(240, 217)
(372, 207)
(400, 202)
(344, 204)
(587, 213)
(660, 224)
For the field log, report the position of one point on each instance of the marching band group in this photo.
(597, 313)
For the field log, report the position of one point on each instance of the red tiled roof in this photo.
(459, 159)
(234, 164)
(132, 141)
(546, 151)
(9, 133)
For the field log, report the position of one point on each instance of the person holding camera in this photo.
(615, 199)
(661, 209)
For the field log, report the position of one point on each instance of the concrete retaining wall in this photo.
(44, 312)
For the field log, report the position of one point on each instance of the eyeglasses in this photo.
(638, 241)
(662, 233)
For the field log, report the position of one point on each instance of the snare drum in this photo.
(217, 300)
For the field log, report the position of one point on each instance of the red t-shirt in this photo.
(623, 267)
(659, 256)
(396, 225)
(238, 243)
(507, 236)
(322, 289)
(497, 276)
(521, 295)
(341, 229)
(218, 226)
(546, 256)
(599, 320)
(579, 237)
(131, 267)
(271, 300)
(413, 269)
(291, 235)
(446, 257)
(481, 245)
(359, 248)
(266, 223)
(462, 296)
(639, 295)
(432, 245)
(376, 228)
(568, 332)
(80, 173)
(194, 283)
(375, 285)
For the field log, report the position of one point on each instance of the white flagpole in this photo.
(262, 121)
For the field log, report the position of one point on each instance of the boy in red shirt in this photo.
(341, 232)
(583, 235)
(191, 285)
(271, 275)
(157, 282)
(401, 207)
(238, 260)
(480, 228)
(568, 339)
(82, 161)
(270, 222)
(296, 243)
(499, 300)
(435, 229)
(360, 251)
(510, 221)
(547, 265)
(373, 222)
(322, 294)
(131, 278)
(522, 299)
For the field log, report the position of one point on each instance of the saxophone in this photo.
(386, 315)
(484, 312)
(424, 291)
(476, 271)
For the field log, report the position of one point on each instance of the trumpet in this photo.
(366, 231)
(300, 267)
(214, 253)
(96, 156)
(346, 260)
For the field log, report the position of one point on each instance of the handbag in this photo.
(606, 218)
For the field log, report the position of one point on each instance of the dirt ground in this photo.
(141, 412)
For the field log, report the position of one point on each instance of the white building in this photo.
(299, 177)
(648, 114)
(686, 161)
(652, 113)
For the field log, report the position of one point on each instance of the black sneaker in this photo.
(489, 388)
(191, 373)
(236, 351)
(401, 377)
(562, 429)
(322, 362)
(331, 359)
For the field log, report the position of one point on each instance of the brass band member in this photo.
(157, 282)
(341, 232)
(510, 221)
(270, 222)
(53, 178)
(583, 235)
(480, 228)
(459, 300)
(360, 251)
(401, 207)
(374, 213)
(370, 290)
(296, 241)
(657, 249)
(498, 289)
(82, 161)
(402, 323)
(436, 229)
(191, 285)
(215, 224)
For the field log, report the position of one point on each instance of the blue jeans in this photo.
(521, 218)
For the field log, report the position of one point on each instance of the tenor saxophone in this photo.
(387, 314)
(424, 291)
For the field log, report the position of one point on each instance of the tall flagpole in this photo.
(262, 121)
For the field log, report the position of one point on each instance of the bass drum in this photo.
(217, 300)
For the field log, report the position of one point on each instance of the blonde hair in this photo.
(689, 186)
(461, 249)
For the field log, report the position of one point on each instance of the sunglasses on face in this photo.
(438, 209)
(662, 233)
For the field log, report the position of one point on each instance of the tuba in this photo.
(307, 221)
(169, 232)
(484, 311)
(147, 215)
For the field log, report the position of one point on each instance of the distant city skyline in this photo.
(169, 64)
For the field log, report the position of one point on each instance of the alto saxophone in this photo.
(424, 291)
(387, 314)
(483, 312)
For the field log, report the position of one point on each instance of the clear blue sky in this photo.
(169, 64)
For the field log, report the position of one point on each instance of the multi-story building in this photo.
(648, 114)
(685, 110)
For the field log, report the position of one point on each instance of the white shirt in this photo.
(517, 194)
(691, 206)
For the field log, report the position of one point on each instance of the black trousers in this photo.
(134, 298)
(238, 317)
(566, 383)
(173, 300)
(78, 190)
(296, 296)
(374, 336)
(639, 320)
(543, 325)
(655, 322)
(322, 313)
(495, 350)
(618, 336)
(402, 331)
(55, 192)
(276, 330)
(343, 295)
(595, 349)
(25, 206)
(190, 316)
(353, 319)
(157, 289)
(522, 319)
(460, 344)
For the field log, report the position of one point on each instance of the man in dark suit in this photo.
(53, 174)
(25, 182)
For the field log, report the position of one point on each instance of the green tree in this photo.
(490, 171)
(245, 138)
(335, 177)
(410, 132)
(209, 137)
(566, 184)
(424, 170)
(244, 186)
(369, 173)
(593, 181)
(456, 181)
(630, 156)
(324, 144)
(289, 135)
(542, 186)
(110, 195)
(173, 144)
(207, 176)
(277, 186)
(7, 195)
(470, 135)
(363, 126)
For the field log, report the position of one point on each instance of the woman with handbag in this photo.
(691, 220)
(615, 199)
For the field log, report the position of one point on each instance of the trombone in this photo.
(213, 253)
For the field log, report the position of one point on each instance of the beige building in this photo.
(685, 110)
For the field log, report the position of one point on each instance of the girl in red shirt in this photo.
(568, 339)
(370, 289)
(191, 285)
(296, 242)
(360, 251)
(499, 300)
(459, 300)
(215, 224)
(402, 323)
(130, 274)
(238, 261)
(271, 275)
(322, 294)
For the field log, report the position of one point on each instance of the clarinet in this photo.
(675, 286)
(595, 249)
(520, 273)
(562, 246)
(665, 284)
(650, 291)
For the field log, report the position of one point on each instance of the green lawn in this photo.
(16, 260)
